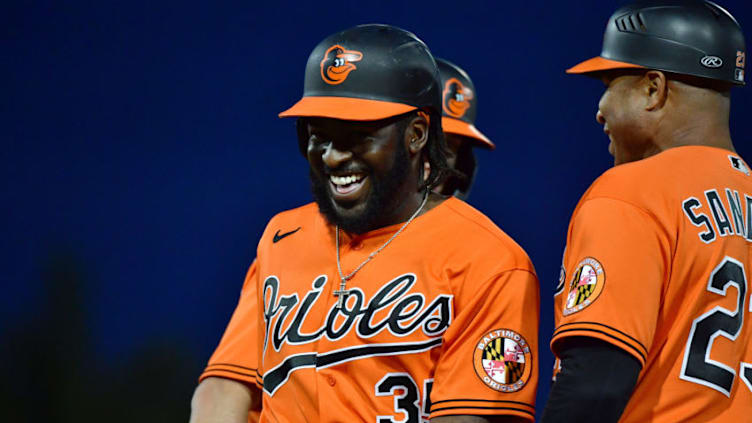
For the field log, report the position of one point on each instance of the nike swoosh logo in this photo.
(279, 236)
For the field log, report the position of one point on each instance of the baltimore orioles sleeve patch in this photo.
(503, 360)
(586, 285)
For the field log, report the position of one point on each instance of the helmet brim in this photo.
(459, 127)
(345, 108)
(598, 64)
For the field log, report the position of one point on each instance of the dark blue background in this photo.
(142, 156)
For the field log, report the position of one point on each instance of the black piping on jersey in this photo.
(277, 376)
(218, 367)
(434, 410)
(558, 331)
(483, 401)
(232, 365)
(621, 341)
(605, 326)
(249, 375)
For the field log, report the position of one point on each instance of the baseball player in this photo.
(381, 301)
(653, 311)
(459, 107)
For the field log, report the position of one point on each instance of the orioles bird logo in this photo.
(337, 64)
(456, 98)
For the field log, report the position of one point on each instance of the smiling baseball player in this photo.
(381, 301)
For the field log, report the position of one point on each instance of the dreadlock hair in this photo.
(435, 151)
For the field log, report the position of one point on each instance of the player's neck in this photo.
(702, 130)
(717, 137)
(695, 116)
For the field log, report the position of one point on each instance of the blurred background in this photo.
(141, 157)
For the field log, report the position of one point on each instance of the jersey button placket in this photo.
(327, 396)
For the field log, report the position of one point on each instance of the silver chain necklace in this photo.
(342, 292)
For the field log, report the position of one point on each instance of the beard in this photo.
(383, 198)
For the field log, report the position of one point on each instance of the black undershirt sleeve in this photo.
(594, 384)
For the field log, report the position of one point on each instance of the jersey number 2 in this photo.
(698, 367)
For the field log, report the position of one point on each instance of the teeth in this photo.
(345, 180)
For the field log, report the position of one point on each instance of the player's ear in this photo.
(656, 89)
(416, 133)
(301, 126)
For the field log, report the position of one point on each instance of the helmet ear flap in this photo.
(301, 126)
(461, 181)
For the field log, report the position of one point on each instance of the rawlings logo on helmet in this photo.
(712, 62)
(456, 98)
(337, 64)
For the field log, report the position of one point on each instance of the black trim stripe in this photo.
(483, 408)
(482, 400)
(220, 369)
(210, 371)
(278, 375)
(232, 365)
(335, 357)
(605, 326)
(640, 353)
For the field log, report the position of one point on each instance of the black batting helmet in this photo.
(369, 72)
(459, 109)
(459, 103)
(689, 37)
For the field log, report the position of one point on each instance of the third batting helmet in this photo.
(690, 37)
(459, 108)
(459, 103)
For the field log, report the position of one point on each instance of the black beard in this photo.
(383, 198)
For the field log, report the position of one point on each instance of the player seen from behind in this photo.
(653, 311)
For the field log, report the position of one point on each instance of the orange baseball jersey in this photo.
(657, 264)
(231, 358)
(443, 321)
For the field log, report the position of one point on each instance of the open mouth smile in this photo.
(347, 187)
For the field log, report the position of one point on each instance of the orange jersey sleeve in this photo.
(615, 263)
(496, 324)
(236, 356)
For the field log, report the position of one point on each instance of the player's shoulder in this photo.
(475, 234)
(663, 176)
(301, 219)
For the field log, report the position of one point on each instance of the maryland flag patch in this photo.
(503, 360)
(586, 285)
